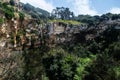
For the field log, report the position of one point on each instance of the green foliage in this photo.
(1, 20)
(60, 65)
(94, 47)
(80, 51)
(63, 13)
(114, 50)
(111, 34)
(21, 32)
(36, 13)
(89, 60)
(91, 21)
(33, 68)
(12, 2)
(116, 69)
(9, 15)
(66, 22)
(68, 67)
(109, 16)
(7, 7)
(28, 7)
(83, 63)
(99, 68)
(21, 15)
(9, 11)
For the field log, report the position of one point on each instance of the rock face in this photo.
(2, 43)
(59, 27)
(56, 28)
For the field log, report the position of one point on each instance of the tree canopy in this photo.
(63, 13)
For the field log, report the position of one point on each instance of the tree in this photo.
(21, 15)
(90, 20)
(28, 7)
(81, 71)
(63, 13)
(60, 65)
(12, 2)
(9, 15)
(101, 68)
(111, 34)
(9, 12)
(114, 50)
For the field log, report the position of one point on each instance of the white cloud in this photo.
(115, 10)
(78, 6)
(40, 3)
(83, 7)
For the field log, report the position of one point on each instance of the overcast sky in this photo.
(91, 7)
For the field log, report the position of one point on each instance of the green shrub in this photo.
(59, 65)
(81, 71)
(21, 15)
(1, 20)
(9, 15)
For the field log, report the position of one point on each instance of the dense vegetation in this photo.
(78, 59)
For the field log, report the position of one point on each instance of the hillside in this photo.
(35, 45)
(35, 12)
